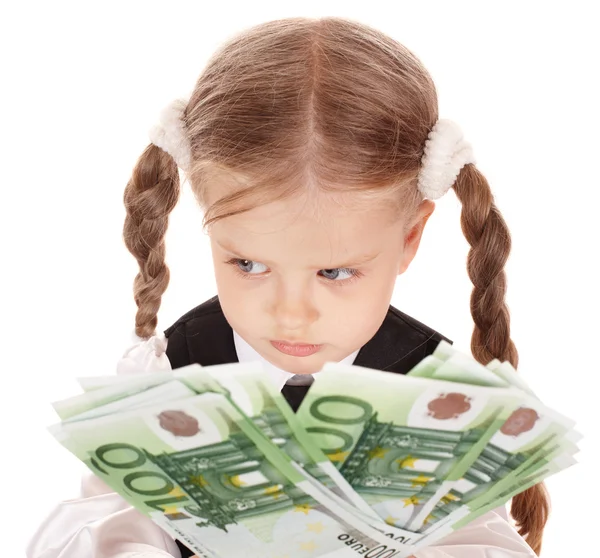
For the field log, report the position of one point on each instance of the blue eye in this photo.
(247, 266)
(334, 274)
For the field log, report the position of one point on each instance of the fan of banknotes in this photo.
(373, 463)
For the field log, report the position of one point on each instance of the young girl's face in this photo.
(305, 286)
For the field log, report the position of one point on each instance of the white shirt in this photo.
(101, 524)
(246, 353)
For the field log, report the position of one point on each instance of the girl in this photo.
(315, 150)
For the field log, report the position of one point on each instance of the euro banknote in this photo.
(401, 441)
(373, 463)
(531, 436)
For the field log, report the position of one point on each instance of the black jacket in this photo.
(203, 336)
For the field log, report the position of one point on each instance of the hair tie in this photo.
(170, 134)
(446, 153)
(145, 355)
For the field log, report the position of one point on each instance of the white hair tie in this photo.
(170, 135)
(446, 151)
(145, 355)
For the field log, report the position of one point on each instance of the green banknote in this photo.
(463, 369)
(169, 390)
(401, 441)
(251, 390)
(134, 385)
(110, 394)
(463, 516)
(529, 435)
(487, 479)
(199, 469)
(506, 371)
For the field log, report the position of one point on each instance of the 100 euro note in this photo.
(459, 519)
(492, 475)
(184, 461)
(109, 394)
(401, 441)
(531, 436)
(250, 389)
(82, 405)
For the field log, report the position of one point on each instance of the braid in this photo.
(490, 241)
(150, 195)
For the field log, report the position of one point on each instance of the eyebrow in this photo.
(356, 261)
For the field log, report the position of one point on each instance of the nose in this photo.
(293, 309)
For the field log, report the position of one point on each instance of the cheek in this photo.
(377, 289)
(239, 305)
(359, 316)
(231, 292)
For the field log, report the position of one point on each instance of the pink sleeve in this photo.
(489, 536)
(99, 524)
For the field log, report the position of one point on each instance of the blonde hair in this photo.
(333, 105)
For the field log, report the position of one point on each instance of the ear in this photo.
(413, 236)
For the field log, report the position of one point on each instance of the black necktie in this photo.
(296, 388)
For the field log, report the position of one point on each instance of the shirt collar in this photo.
(246, 353)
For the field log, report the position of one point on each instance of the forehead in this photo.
(323, 228)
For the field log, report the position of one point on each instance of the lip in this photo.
(296, 349)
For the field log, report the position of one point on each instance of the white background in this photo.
(83, 82)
